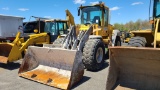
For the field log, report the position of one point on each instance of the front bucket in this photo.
(134, 68)
(9, 53)
(5, 49)
(56, 67)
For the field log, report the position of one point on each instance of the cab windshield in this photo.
(50, 27)
(56, 28)
(157, 8)
(91, 15)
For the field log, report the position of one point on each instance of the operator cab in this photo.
(91, 15)
(95, 14)
(156, 9)
(156, 14)
(56, 28)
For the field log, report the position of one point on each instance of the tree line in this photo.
(137, 25)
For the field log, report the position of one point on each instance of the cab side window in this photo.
(106, 16)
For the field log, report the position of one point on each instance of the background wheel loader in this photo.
(137, 65)
(125, 36)
(45, 33)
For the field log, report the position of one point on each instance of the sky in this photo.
(121, 11)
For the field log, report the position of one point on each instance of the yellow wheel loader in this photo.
(137, 65)
(60, 67)
(94, 49)
(61, 64)
(41, 33)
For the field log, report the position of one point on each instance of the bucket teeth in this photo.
(49, 80)
(33, 76)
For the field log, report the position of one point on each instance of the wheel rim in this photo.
(99, 55)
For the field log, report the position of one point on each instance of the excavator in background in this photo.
(42, 32)
(61, 64)
(137, 65)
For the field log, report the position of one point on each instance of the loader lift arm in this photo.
(69, 18)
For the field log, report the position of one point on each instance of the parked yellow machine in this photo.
(125, 36)
(10, 52)
(61, 64)
(137, 66)
(94, 49)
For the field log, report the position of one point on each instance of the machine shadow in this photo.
(105, 65)
(84, 79)
(10, 66)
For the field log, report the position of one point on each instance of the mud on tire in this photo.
(90, 54)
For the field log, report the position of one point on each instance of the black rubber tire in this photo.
(89, 54)
(58, 42)
(118, 40)
(137, 42)
(139, 38)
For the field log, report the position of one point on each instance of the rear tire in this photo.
(93, 54)
(137, 42)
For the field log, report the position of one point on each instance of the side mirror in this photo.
(79, 12)
(35, 30)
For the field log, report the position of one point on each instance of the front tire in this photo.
(93, 54)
